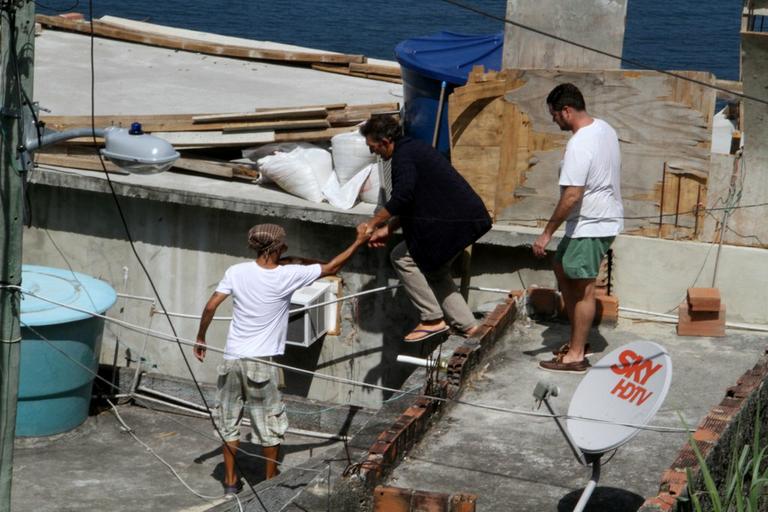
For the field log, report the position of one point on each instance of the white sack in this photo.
(299, 172)
(369, 192)
(344, 197)
(350, 154)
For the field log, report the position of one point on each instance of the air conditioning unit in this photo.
(306, 327)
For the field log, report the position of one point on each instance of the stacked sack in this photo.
(311, 173)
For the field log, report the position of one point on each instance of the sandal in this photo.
(425, 334)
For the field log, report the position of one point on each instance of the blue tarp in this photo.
(449, 57)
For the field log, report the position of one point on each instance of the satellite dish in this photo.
(627, 386)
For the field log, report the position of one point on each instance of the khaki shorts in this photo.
(581, 257)
(251, 385)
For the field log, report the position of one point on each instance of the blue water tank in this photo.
(428, 61)
(60, 348)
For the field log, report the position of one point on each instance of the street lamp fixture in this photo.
(130, 149)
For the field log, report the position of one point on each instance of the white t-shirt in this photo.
(593, 161)
(261, 302)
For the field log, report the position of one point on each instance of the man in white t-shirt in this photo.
(261, 291)
(590, 205)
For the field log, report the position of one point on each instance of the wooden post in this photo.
(17, 41)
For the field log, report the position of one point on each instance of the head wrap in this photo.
(266, 238)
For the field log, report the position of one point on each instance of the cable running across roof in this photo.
(183, 341)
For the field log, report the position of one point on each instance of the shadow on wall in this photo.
(373, 327)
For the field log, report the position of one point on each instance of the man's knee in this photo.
(399, 257)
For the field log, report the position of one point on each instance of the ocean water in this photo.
(685, 34)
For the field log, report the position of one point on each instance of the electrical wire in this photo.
(131, 432)
(131, 242)
(342, 380)
(632, 62)
(144, 403)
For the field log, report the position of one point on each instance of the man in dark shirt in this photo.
(440, 215)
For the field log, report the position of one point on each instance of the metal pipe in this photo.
(293, 311)
(199, 410)
(492, 290)
(673, 319)
(439, 116)
(591, 485)
(575, 449)
(136, 297)
(54, 137)
(426, 363)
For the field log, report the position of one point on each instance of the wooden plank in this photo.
(658, 119)
(313, 135)
(60, 123)
(375, 69)
(301, 124)
(373, 76)
(216, 138)
(284, 113)
(82, 162)
(329, 68)
(207, 167)
(102, 29)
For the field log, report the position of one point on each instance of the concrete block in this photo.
(606, 309)
(704, 299)
(463, 503)
(662, 503)
(425, 501)
(674, 482)
(544, 301)
(702, 323)
(391, 499)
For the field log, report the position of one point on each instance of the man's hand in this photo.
(379, 237)
(199, 350)
(363, 233)
(540, 245)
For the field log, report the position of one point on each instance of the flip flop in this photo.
(427, 333)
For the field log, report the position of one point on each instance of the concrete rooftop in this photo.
(511, 459)
(139, 79)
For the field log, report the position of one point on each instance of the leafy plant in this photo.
(745, 482)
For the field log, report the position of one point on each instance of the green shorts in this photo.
(581, 257)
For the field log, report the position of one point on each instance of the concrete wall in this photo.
(654, 274)
(187, 249)
(187, 236)
(595, 23)
(747, 226)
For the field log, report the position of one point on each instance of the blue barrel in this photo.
(426, 62)
(60, 348)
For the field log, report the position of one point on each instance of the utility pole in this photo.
(17, 43)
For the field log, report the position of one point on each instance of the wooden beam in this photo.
(375, 69)
(314, 135)
(301, 124)
(207, 167)
(284, 113)
(82, 162)
(181, 43)
(216, 138)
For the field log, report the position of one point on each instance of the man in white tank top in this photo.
(590, 205)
